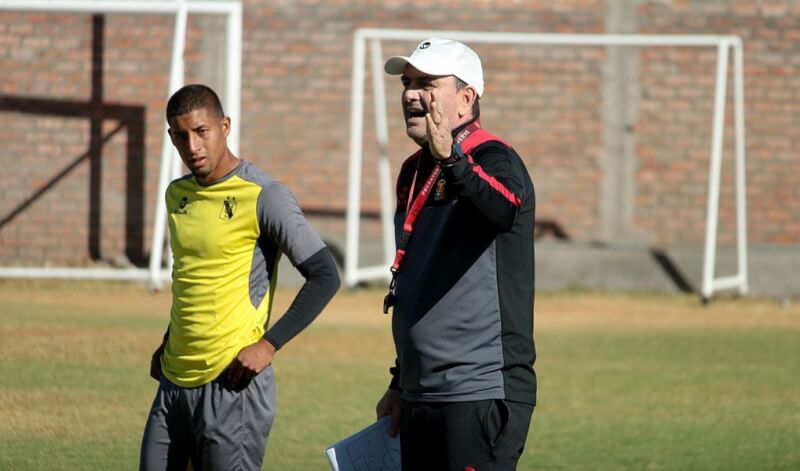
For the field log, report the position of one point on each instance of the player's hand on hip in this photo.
(390, 405)
(440, 138)
(155, 363)
(250, 361)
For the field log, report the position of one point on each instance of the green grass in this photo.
(722, 399)
(638, 382)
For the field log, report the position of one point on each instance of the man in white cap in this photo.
(463, 386)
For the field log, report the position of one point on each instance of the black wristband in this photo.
(455, 156)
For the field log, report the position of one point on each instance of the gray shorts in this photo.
(212, 426)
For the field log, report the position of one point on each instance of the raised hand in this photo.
(440, 138)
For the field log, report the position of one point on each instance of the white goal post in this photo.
(724, 45)
(170, 163)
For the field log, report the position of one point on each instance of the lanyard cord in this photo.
(411, 215)
(413, 210)
(413, 185)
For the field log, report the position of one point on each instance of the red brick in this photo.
(546, 100)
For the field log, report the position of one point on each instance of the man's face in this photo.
(416, 100)
(201, 139)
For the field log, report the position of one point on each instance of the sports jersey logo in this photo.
(439, 194)
(181, 209)
(228, 208)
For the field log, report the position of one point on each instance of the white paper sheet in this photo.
(371, 449)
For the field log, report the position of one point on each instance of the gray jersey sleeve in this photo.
(280, 217)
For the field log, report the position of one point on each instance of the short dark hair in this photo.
(194, 97)
(476, 106)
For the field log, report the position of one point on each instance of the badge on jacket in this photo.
(439, 193)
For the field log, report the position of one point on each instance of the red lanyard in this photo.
(413, 210)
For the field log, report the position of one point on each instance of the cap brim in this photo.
(396, 65)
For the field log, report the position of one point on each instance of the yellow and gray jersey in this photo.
(226, 239)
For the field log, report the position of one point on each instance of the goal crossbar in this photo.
(724, 45)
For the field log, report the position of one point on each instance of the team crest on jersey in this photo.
(228, 208)
(181, 209)
(439, 193)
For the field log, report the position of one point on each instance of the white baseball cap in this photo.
(440, 57)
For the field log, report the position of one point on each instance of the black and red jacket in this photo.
(463, 320)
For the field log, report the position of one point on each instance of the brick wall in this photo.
(547, 101)
(673, 134)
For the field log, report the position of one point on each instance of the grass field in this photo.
(627, 382)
